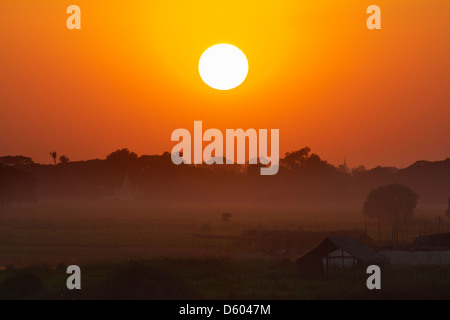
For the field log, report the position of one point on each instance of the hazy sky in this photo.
(130, 77)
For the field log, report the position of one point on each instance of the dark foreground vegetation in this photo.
(218, 279)
(303, 177)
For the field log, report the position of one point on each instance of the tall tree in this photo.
(54, 155)
(121, 155)
(392, 200)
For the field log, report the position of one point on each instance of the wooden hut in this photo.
(337, 251)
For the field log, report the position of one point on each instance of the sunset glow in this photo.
(130, 76)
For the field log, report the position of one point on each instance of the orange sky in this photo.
(129, 77)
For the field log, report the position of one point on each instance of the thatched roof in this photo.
(352, 246)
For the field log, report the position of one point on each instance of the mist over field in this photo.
(129, 206)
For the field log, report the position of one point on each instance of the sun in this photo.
(223, 66)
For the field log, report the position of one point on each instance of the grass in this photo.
(141, 251)
(217, 279)
(28, 232)
(86, 232)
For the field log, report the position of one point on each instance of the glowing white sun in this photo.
(223, 66)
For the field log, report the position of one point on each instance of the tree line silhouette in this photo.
(303, 177)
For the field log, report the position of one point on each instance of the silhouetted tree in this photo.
(359, 170)
(296, 158)
(392, 200)
(303, 159)
(64, 159)
(303, 177)
(16, 161)
(122, 156)
(54, 155)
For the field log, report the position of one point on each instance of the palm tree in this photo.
(54, 155)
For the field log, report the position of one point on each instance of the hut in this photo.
(337, 250)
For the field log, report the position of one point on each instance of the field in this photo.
(86, 232)
(142, 251)
(202, 278)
